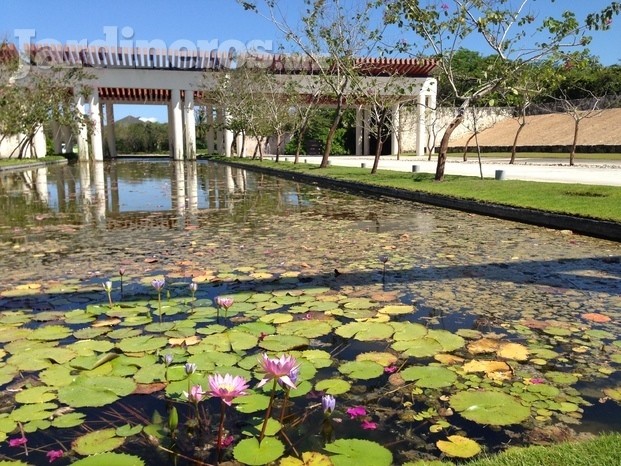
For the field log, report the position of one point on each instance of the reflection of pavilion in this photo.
(177, 78)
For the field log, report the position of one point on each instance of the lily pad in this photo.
(458, 446)
(333, 386)
(281, 343)
(106, 459)
(250, 451)
(429, 376)
(489, 407)
(360, 452)
(99, 441)
(365, 331)
(93, 392)
(363, 370)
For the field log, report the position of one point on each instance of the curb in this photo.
(582, 225)
(26, 166)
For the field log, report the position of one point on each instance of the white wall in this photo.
(9, 144)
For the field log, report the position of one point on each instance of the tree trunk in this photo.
(333, 128)
(380, 142)
(515, 140)
(243, 147)
(299, 147)
(444, 145)
(259, 144)
(466, 146)
(574, 144)
(278, 141)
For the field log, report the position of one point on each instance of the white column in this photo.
(228, 136)
(41, 184)
(394, 140)
(58, 141)
(110, 131)
(177, 124)
(100, 193)
(366, 115)
(359, 128)
(210, 131)
(171, 133)
(431, 114)
(190, 125)
(239, 140)
(83, 155)
(93, 103)
(220, 131)
(420, 127)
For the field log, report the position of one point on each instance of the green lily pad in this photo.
(333, 386)
(250, 451)
(143, 343)
(429, 376)
(281, 343)
(397, 309)
(106, 459)
(99, 441)
(458, 446)
(363, 370)
(489, 407)
(305, 328)
(50, 332)
(419, 348)
(276, 318)
(383, 358)
(69, 420)
(93, 392)
(36, 395)
(360, 452)
(365, 331)
(27, 413)
(251, 403)
(127, 430)
(408, 331)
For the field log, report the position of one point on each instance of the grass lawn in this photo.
(599, 202)
(604, 450)
(12, 162)
(579, 157)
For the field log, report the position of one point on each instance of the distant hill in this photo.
(130, 120)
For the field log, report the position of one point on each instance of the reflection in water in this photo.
(126, 194)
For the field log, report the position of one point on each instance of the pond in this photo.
(438, 333)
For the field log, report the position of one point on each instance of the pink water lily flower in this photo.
(227, 388)
(224, 302)
(54, 454)
(196, 394)
(278, 368)
(358, 411)
(227, 441)
(18, 442)
(369, 425)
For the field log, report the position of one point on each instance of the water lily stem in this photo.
(268, 411)
(159, 304)
(284, 406)
(220, 430)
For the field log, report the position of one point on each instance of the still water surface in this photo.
(234, 230)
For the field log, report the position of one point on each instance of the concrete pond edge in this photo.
(582, 225)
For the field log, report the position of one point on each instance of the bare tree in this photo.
(503, 27)
(333, 35)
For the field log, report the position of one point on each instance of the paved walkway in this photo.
(549, 170)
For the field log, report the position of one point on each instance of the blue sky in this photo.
(203, 20)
